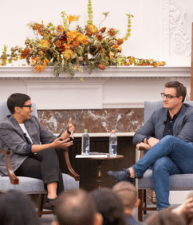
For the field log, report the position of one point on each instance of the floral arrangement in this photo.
(67, 49)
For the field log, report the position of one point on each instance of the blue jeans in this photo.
(170, 156)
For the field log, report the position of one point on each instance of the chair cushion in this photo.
(4, 111)
(177, 181)
(30, 185)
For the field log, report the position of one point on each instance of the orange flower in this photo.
(112, 32)
(101, 66)
(58, 43)
(36, 59)
(120, 41)
(44, 43)
(72, 18)
(75, 44)
(115, 46)
(99, 37)
(73, 33)
(46, 61)
(67, 46)
(69, 40)
(37, 26)
(91, 29)
(88, 34)
(60, 28)
(39, 68)
(67, 54)
(111, 55)
(41, 32)
(164, 63)
(81, 38)
(25, 53)
(84, 42)
(102, 30)
(155, 64)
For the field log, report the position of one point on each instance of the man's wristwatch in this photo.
(68, 131)
(147, 138)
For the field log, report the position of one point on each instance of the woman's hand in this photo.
(71, 127)
(59, 143)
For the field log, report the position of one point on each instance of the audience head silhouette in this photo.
(76, 207)
(128, 194)
(165, 217)
(109, 205)
(17, 208)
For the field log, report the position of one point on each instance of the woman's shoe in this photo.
(50, 203)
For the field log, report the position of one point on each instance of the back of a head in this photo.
(127, 193)
(165, 217)
(17, 208)
(75, 207)
(109, 205)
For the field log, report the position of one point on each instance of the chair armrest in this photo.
(139, 154)
(13, 178)
(69, 167)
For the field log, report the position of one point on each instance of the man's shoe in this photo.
(122, 175)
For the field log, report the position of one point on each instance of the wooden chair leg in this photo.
(40, 204)
(145, 200)
(140, 212)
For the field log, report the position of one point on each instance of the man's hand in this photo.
(143, 146)
(152, 141)
(71, 127)
(58, 143)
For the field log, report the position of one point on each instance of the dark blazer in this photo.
(12, 139)
(183, 126)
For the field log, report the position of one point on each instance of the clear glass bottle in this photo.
(85, 149)
(113, 144)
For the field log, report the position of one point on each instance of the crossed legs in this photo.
(170, 156)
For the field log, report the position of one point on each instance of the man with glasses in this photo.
(168, 137)
(32, 147)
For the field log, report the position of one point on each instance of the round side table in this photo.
(100, 160)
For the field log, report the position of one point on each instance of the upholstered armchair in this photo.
(30, 185)
(178, 182)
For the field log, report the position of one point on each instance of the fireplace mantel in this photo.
(114, 87)
(111, 72)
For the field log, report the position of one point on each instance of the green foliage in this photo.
(65, 23)
(4, 56)
(90, 13)
(128, 34)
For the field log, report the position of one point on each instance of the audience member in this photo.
(165, 217)
(76, 207)
(17, 209)
(128, 194)
(186, 209)
(109, 205)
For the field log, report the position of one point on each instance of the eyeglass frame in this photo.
(29, 106)
(168, 96)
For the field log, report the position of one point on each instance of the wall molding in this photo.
(115, 87)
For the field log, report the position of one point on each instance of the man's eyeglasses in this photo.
(29, 106)
(168, 96)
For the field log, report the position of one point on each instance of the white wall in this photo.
(161, 29)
